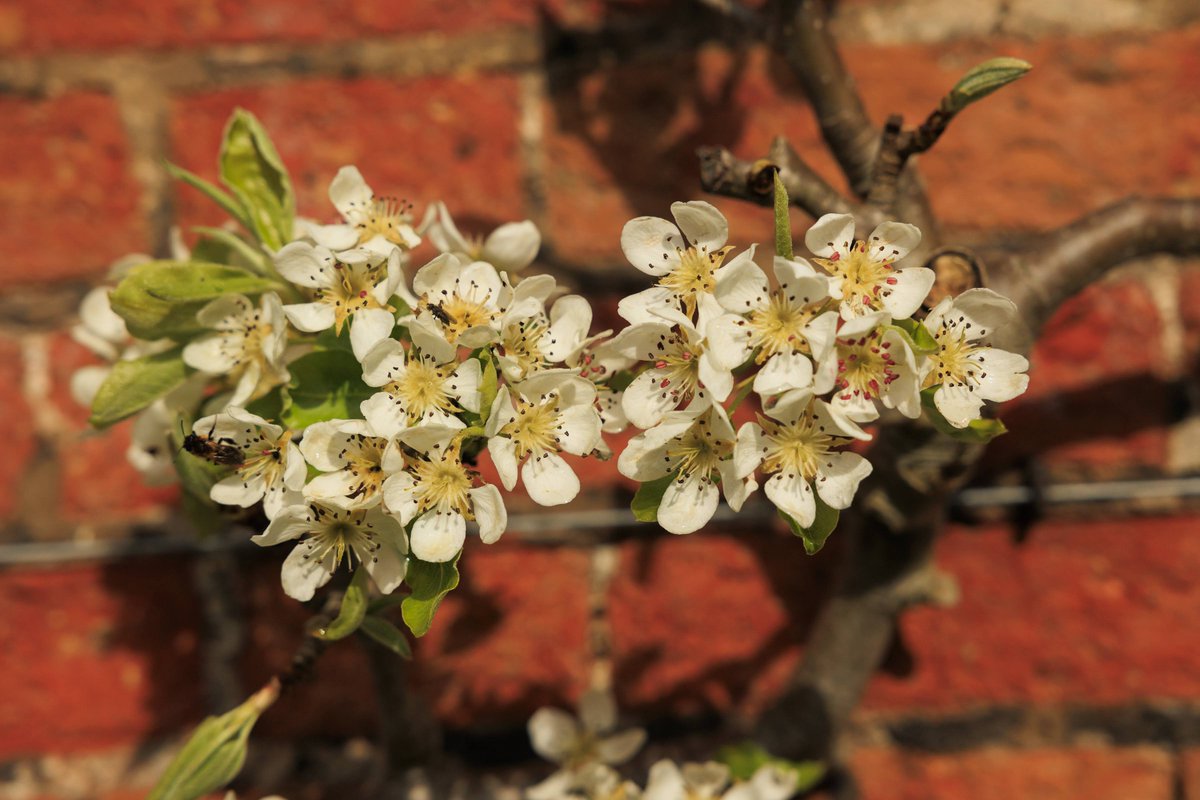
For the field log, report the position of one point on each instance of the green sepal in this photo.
(215, 752)
(978, 431)
(746, 758)
(815, 535)
(236, 248)
(325, 385)
(649, 497)
(251, 168)
(160, 299)
(983, 79)
(620, 381)
(133, 384)
(352, 612)
(916, 336)
(783, 225)
(215, 193)
(388, 635)
(428, 584)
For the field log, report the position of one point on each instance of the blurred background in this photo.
(1069, 669)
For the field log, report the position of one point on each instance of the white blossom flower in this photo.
(968, 368)
(378, 224)
(531, 340)
(100, 329)
(686, 256)
(354, 285)
(697, 447)
(533, 422)
(767, 783)
(271, 469)
(417, 387)
(457, 302)
(354, 459)
(798, 447)
(248, 345)
(439, 493)
(509, 248)
(330, 535)
(874, 362)
(668, 781)
(864, 273)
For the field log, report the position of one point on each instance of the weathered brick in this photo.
(147, 25)
(98, 482)
(1083, 773)
(453, 139)
(68, 203)
(16, 426)
(1083, 612)
(97, 654)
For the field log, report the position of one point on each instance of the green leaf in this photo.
(916, 336)
(253, 171)
(983, 79)
(978, 431)
(384, 603)
(428, 583)
(783, 225)
(133, 385)
(387, 635)
(649, 497)
(212, 191)
(214, 754)
(352, 612)
(237, 248)
(269, 406)
(488, 385)
(815, 535)
(746, 758)
(160, 298)
(620, 381)
(326, 384)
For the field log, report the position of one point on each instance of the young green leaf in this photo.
(212, 191)
(214, 754)
(387, 635)
(132, 385)
(746, 758)
(159, 299)
(916, 336)
(488, 385)
(253, 171)
(326, 384)
(428, 583)
(978, 431)
(783, 225)
(983, 79)
(815, 535)
(352, 612)
(649, 497)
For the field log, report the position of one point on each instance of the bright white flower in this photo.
(532, 340)
(439, 493)
(697, 447)
(693, 782)
(417, 387)
(874, 362)
(509, 248)
(151, 448)
(248, 345)
(686, 257)
(864, 273)
(354, 459)
(330, 536)
(552, 412)
(457, 302)
(798, 448)
(682, 363)
(967, 368)
(100, 329)
(354, 285)
(271, 468)
(378, 224)
(767, 783)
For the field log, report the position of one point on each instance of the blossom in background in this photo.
(686, 256)
(509, 248)
(247, 346)
(271, 468)
(532, 422)
(865, 276)
(966, 368)
(709, 780)
(417, 387)
(437, 494)
(330, 536)
(354, 286)
(378, 224)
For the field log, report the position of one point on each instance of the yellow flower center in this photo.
(265, 458)
(698, 451)
(797, 448)
(957, 362)
(457, 314)
(422, 389)
(535, 430)
(364, 457)
(695, 274)
(340, 532)
(778, 328)
(521, 343)
(863, 278)
(442, 484)
(353, 291)
(385, 217)
(865, 367)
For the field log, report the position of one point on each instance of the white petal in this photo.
(839, 477)
(688, 504)
(490, 513)
(384, 414)
(665, 783)
(383, 363)
(504, 458)
(437, 536)
(225, 312)
(651, 244)
(234, 491)
(580, 431)
(748, 452)
(647, 305)
(707, 779)
(465, 385)
(702, 224)
(305, 265)
(645, 401)
(512, 246)
(714, 377)
(958, 405)
(369, 327)
(86, 381)
(832, 233)
(792, 495)
(798, 271)
(911, 288)
(892, 241)
(620, 747)
(783, 372)
(553, 734)
(1003, 381)
(743, 287)
(387, 566)
(549, 480)
(570, 319)
(212, 353)
(729, 340)
(400, 497)
(349, 192)
(289, 524)
(302, 576)
(311, 317)
(335, 237)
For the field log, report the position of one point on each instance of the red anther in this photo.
(886, 345)
(853, 357)
(866, 300)
(363, 293)
(835, 256)
(660, 364)
(874, 384)
(687, 356)
(665, 383)
(587, 359)
(891, 281)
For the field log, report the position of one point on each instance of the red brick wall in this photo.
(511, 109)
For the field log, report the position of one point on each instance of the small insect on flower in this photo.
(223, 452)
(441, 314)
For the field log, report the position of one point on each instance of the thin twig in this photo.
(889, 162)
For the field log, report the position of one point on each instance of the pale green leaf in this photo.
(983, 79)
(428, 584)
(388, 635)
(746, 758)
(215, 193)
(325, 385)
(815, 535)
(916, 336)
(132, 385)
(783, 225)
(253, 171)
(352, 612)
